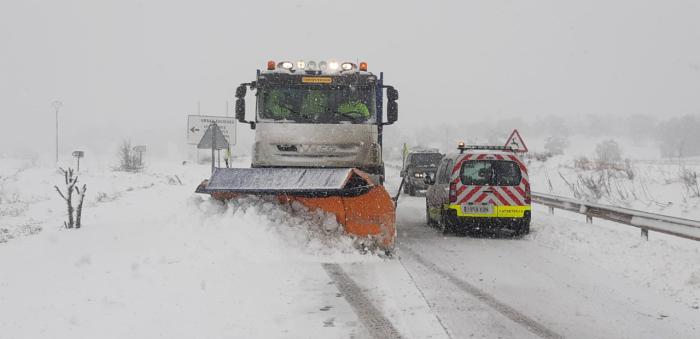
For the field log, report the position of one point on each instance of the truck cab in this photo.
(324, 114)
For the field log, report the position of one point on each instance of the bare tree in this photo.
(79, 210)
(71, 181)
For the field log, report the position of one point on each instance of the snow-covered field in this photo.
(154, 259)
(639, 180)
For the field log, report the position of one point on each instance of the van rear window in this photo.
(490, 172)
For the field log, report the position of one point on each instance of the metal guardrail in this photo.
(684, 228)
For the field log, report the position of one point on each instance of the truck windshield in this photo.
(317, 104)
(490, 172)
(426, 159)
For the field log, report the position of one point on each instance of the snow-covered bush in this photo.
(608, 152)
(679, 137)
(555, 145)
(128, 159)
(690, 181)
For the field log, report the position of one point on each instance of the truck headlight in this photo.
(419, 175)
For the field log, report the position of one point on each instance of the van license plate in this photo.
(477, 209)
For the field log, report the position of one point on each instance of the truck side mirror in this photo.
(392, 94)
(240, 110)
(240, 91)
(392, 111)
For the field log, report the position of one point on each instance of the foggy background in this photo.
(135, 69)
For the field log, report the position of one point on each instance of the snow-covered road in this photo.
(156, 260)
(518, 288)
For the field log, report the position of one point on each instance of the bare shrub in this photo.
(689, 179)
(584, 163)
(128, 159)
(71, 182)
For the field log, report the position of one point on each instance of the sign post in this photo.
(140, 149)
(516, 142)
(78, 155)
(213, 138)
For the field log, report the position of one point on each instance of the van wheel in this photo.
(523, 225)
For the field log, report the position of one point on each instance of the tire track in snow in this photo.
(378, 326)
(511, 313)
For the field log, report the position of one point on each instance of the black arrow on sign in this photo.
(194, 129)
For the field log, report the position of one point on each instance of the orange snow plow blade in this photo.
(365, 209)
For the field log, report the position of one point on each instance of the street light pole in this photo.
(56, 106)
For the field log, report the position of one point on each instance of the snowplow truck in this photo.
(318, 141)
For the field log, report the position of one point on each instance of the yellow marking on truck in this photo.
(316, 80)
(498, 212)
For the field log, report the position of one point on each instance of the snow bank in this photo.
(284, 230)
(664, 263)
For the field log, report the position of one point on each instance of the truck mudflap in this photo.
(364, 208)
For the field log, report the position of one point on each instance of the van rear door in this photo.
(491, 186)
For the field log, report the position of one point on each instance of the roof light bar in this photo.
(461, 146)
(331, 66)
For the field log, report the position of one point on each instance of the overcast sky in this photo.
(137, 68)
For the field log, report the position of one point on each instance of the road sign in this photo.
(198, 124)
(78, 155)
(515, 141)
(219, 139)
(140, 148)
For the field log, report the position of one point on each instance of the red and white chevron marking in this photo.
(492, 195)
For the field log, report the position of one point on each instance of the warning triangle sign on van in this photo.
(515, 141)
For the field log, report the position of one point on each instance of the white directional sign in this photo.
(198, 124)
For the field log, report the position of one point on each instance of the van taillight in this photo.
(527, 194)
(453, 192)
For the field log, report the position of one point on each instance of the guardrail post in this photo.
(645, 234)
(551, 210)
(589, 219)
